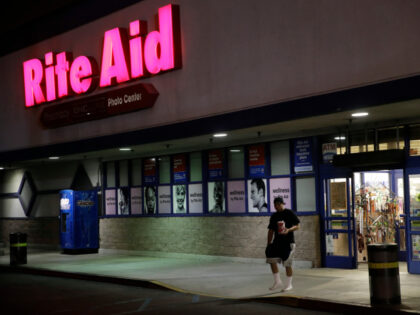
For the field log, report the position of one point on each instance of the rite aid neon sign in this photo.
(124, 57)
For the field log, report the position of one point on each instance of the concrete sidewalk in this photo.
(338, 290)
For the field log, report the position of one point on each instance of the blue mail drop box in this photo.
(79, 231)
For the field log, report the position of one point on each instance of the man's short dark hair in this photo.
(260, 184)
(279, 200)
(150, 188)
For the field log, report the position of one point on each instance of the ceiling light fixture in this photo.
(220, 135)
(54, 158)
(340, 138)
(359, 114)
(235, 150)
(125, 149)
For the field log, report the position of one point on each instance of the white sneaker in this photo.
(276, 285)
(288, 288)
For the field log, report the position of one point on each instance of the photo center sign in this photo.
(125, 56)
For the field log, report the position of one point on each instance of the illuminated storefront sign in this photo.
(124, 57)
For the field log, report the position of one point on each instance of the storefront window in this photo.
(164, 170)
(305, 194)
(123, 173)
(196, 167)
(391, 138)
(414, 184)
(362, 141)
(236, 162)
(136, 172)
(110, 174)
(415, 140)
(280, 158)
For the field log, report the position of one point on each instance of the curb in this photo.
(289, 300)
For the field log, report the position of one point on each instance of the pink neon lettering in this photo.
(61, 70)
(136, 54)
(113, 59)
(80, 74)
(161, 41)
(50, 77)
(32, 75)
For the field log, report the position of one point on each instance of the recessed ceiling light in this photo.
(54, 158)
(235, 150)
(1, 168)
(125, 149)
(220, 135)
(360, 114)
(340, 138)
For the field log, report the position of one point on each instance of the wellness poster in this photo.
(280, 187)
(195, 198)
(236, 196)
(136, 200)
(110, 201)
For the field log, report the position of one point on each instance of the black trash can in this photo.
(18, 247)
(384, 274)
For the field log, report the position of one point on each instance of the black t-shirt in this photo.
(290, 219)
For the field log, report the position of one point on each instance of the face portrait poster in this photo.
(195, 198)
(149, 199)
(216, 195)
(123, 200)
(179, 168)
(257, 195)
(179, 196)
(280, 187)
(236, 196)
(164, 194)
(110, 202)
(256, 160)
(149, 170)
(215, 164)
(136, 200)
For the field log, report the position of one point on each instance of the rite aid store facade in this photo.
(280, 78)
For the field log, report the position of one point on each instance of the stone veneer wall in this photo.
(219, 236)
(44, 232)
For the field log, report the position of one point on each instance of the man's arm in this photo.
(291, 229)
(270, 236)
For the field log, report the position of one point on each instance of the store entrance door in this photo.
(379, 210)
(338, 218)
(412, 194)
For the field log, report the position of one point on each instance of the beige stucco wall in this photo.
(237, 54)
(219, 236)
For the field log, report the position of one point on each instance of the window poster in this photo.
(149, 170)
(136, 200)
(195, 198)
(110, 202)
(280, 187)
(179, 168)
(215, 164)
(303, 155)
(256, 160)
(179, 202)
(328, 151)
(216, 195)
(164, 193)
(257, 195)
(415, 247)
(236, 196)
(149, 199)
(123, 200)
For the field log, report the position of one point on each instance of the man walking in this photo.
(282, 225)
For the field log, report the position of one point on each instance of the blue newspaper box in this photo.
(79, 231)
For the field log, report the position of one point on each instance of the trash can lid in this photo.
(382, 246)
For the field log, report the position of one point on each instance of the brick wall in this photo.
(220, 236)
(40, 231)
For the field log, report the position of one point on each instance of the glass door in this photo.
(338, 220)
(413, 219)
